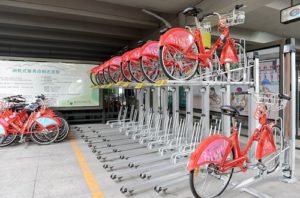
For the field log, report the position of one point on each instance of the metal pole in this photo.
(294, 127)
(140, 96)
(189, 106)
(175, 101)
(205, 110)
(254, 91)
(164, 103)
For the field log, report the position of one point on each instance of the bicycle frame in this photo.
(215, 149)
(183, 40)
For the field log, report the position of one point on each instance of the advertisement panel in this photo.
(65, 84)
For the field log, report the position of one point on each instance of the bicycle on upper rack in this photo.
(183, 54)
(18, 118)
(214, 160)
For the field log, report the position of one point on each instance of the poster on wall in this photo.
(269, 82)
(64, 84)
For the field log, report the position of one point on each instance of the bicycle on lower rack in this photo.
(214, 160)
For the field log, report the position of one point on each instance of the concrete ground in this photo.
(70, 169)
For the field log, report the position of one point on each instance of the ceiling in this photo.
(97, 29)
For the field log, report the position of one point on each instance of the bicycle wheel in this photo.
(135, 71)
(99, 79)
(150, 68)
(7, 140)
(272, 161)
(106, 76)
(64, 130)
(93, 79)
(43, 136)
(208, 182)
(125, 71)
(176, 65)
(237, 70)
(115, 76)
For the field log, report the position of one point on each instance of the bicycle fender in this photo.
(213, 149)
(150, 49)
(47, 121)
(266, 145)
(179, 38)
(228, 54)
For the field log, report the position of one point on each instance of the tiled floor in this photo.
(31, 171)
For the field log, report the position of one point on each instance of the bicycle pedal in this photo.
(261, 166)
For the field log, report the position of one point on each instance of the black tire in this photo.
(99, 79)
(106, 77)
(5, 141)
(217, 193)
(280, 145)
(127, 78)
(242, 59)
(171, 75)
(92, 80)
(43, 139)
(64, 130)
(112, 78)
(146, 76)
(131, 71)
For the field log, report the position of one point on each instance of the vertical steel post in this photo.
(175, 102)
(254, 92)
(226, 98)
(189, 107)
(164, 103)
(289, 87)
(205, 110)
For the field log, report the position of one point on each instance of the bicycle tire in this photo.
(42, 141)
(92, 80)
(127, 78)
(64, 130)
(151, 80)
(193, 185)
(111, 77)
(5, 141)
(132, 74)
(99, 79)
(172, 76)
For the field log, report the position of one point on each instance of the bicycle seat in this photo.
(162, 31)
(32, 107)
(283, 96)
(229, 110)
(191, 11)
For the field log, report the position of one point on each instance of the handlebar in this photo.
(283, 96)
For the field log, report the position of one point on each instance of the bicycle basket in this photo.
(231, 19)
(271, 101)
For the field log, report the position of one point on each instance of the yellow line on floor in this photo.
(88, 175)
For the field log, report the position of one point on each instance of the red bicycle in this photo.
(134, 67)
(41, 125)
(114, 69)
(211, 165)
(149, 61)
(182, 50)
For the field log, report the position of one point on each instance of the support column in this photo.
(288, 87)
(254, 91)
(140, 96)
(205, 110)
(164, 103)
(226, 100)
(189, 107)
(175, 101)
